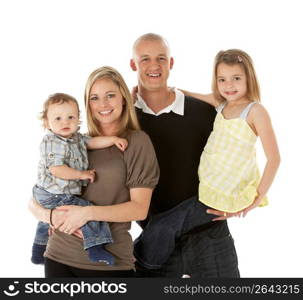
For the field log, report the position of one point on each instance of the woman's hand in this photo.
(57, 218)
(78, 233)
(74, 217)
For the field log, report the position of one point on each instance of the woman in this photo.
(121, 192)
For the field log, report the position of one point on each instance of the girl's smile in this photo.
(231, 81)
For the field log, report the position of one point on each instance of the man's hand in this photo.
(222, 215)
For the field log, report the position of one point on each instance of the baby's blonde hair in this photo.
(58, 98)
(233, 57)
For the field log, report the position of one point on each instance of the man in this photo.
(179, 127)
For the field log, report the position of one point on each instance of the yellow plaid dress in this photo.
(228, 171)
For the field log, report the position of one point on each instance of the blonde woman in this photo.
(120, 193)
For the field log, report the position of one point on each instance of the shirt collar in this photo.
(177, 106)
(72, 139)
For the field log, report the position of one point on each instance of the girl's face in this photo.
(106, 104)
(63, 119)
(231, 82)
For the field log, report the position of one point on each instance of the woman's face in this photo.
(106, 104)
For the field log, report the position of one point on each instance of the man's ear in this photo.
(171, 63)
(133, 65)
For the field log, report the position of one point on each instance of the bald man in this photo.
(179, 127)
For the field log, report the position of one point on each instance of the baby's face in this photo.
(63, 119)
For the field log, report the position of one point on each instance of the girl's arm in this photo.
(100, 142)
(209, 98)
(260, 121)
(133, 210)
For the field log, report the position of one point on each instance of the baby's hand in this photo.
(88, 174)
(121, 143)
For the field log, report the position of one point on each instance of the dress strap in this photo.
(220, 107)
(246, 110)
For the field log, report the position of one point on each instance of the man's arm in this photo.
(209, 98)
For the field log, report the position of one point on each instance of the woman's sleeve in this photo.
(141, 162)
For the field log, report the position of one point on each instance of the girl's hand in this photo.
(222, 215)
(121, 143)
(75, 217)
(255, 204)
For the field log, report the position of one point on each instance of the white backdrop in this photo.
(52, 46)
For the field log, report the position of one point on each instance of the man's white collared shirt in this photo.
(177, 106)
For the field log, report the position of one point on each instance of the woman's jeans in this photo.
(55, 269)
(94, 233)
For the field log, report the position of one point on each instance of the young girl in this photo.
(63, 171)
(228, 173)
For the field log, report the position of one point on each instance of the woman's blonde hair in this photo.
(58, 98)
(128, 118)
(232, 57)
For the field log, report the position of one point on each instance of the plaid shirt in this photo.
(56, 151)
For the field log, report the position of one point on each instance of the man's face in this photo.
(153, 63)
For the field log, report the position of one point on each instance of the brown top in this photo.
(116, 173)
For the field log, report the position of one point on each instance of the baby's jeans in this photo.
(94, 233)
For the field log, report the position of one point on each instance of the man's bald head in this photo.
(150, 37)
